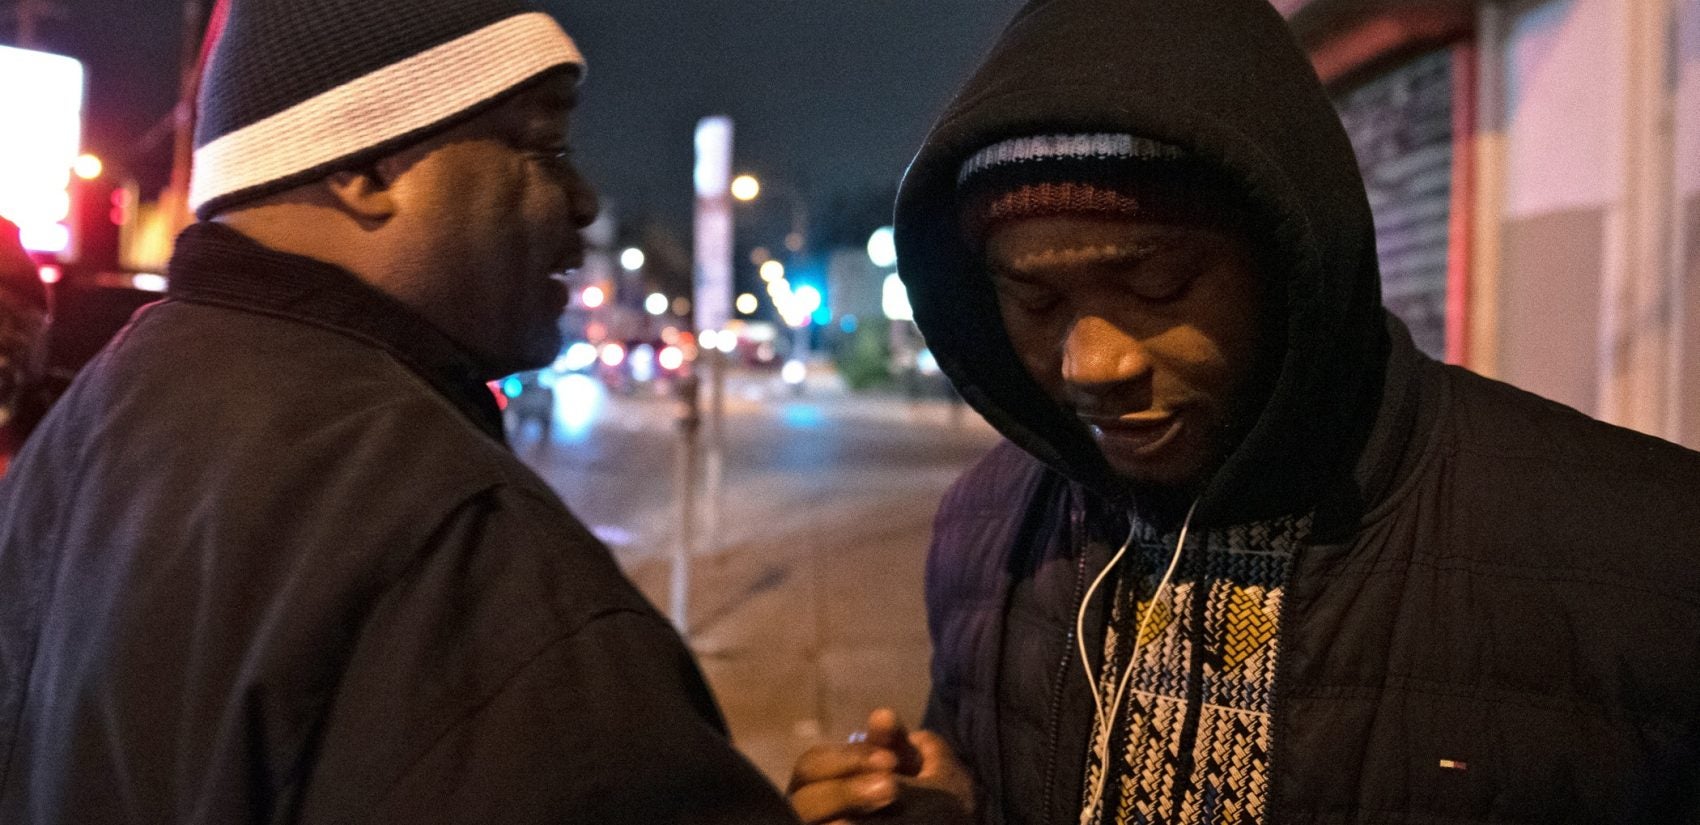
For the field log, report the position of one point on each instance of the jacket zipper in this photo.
(1282, 623)
(1078, 523)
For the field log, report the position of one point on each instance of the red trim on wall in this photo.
(1385, 34)
(1466, 58)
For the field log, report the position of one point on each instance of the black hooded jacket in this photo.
(1497, 614)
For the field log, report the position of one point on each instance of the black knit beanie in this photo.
(1091, 174)
(296, 89)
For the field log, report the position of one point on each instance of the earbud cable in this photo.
(1106, 717)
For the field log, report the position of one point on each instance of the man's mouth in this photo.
(1134, 436)
(567, 263)
(560, 283)
(565, 267)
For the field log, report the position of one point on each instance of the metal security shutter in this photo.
(1401, 126)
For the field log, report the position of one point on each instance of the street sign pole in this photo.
(685, 471)
(712, 306)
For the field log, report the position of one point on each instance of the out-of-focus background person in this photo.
(23, 334)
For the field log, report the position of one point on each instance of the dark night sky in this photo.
(831, 95)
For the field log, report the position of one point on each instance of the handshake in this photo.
(885, 774)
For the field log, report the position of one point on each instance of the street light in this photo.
(631, 260)
(772, 271)
(894, 299)
(748, 304)
(88, 167)
(656, 304)
(746, 188)
(593, 297)
(808, 300)
(882, 247)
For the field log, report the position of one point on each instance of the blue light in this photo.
(579, 400)
(512, 387)
(803, 416)
(849, 324)
(580, 356)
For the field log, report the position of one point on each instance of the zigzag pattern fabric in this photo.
(1190, 742)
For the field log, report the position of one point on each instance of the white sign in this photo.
(714, 223)
(42, 96)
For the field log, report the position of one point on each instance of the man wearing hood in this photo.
(1247, 555)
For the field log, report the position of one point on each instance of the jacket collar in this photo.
(1400, 436)
(214, 264)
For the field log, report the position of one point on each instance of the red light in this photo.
(120, 213)
(51, 274)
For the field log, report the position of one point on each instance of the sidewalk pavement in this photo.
(808, 612)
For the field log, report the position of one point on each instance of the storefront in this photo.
(1534, 167)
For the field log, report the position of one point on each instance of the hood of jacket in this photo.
(1225, 81)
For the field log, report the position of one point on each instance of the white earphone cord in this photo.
(1106, 717)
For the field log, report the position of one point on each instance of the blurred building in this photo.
(853, 283)
(1534, 166)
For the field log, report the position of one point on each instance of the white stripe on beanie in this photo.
(1101, 146)
(400, 99)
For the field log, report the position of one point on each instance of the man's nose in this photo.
(1097, 353)
(583, 201)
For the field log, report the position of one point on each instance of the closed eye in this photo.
(1164, 289)
(1167, 277)
(1025, 295)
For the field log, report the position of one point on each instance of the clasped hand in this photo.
(886, 774)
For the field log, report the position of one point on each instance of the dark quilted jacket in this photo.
(1521, 596)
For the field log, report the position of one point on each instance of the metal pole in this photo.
(712, 297)
(715, 461)
(685, 473)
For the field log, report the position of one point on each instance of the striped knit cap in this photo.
(1090, 174)
(296, 89)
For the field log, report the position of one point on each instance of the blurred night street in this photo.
(807, 611)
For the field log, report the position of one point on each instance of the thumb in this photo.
(886, 730)
(936, 757)
(942, 770)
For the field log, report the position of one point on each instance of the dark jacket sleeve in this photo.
(943, 697)
(515, 676)
(608, 725)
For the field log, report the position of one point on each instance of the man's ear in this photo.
(363, 193)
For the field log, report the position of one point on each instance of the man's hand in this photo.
(886, 774)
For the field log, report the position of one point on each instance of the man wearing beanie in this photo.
(270, 560)
(1247, 555)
